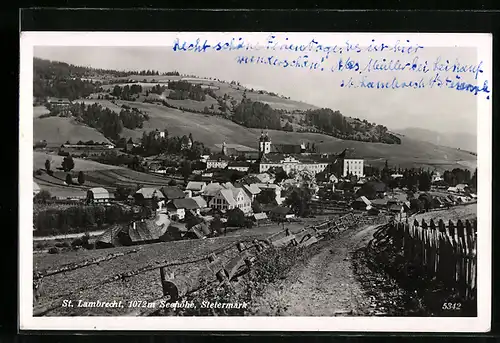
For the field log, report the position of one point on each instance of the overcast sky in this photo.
(442, 110)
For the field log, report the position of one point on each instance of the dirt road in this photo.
(325, 285)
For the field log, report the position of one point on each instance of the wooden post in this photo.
(241, 246)
(177, 287)
(232, 267)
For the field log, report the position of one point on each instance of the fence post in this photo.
(432, 248)
(462, 257)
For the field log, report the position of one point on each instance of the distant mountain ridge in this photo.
(459, 140)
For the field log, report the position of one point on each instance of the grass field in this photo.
(59, 130)
(96, 175)
(455, 213)
(39, 110)
(39, 159)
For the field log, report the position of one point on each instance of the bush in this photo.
(42, 197)
(53, 250)
(62, 245)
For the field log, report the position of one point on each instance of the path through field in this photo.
(325, 285)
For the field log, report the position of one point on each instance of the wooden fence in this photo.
(445, 251)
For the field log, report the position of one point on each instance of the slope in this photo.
(58, 130)
(212, 130)
(460, 140)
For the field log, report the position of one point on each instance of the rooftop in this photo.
(148, 192)
(172, 192)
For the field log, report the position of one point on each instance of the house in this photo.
(218, 162)
(280, 213)
(130, 145)
(177, 208)
(361, 203)
(98, 195)
(252, 190)
(462, 187)
(211, 190)
(452, 189)
(223, 200)
(259, 217)
(186, 143)
(202, 204)
(379, 188)
(146, 195)
(36, 188)
(172, 192)
(398, 210)
(60, 102)
(379, 203)
(436, 177)
(396, 175)
(196, 187)
(227, 199)
(241, 166)
(228, 185)
(271, 187)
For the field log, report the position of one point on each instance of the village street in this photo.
(325, 285)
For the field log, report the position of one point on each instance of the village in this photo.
(265, 187)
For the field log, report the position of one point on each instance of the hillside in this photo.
(212, 131)
(461, 140)
(58, 130)
(252, 108)
(96, 175)
(216, 111)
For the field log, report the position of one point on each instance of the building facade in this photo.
(352, 166)
(291, 163)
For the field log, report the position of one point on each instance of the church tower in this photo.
(224, 149)
(264, 144)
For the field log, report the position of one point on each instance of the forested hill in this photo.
(230, 100)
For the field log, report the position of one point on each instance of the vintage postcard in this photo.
(255, 181)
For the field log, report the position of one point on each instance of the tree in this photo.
(47, 165)
(473, 181)
(236, 217)
(122, 192)
(216, 225)
(266, 197)
(424, 182)
(172, 182)
(299, 200)
(416, 205)
(42, 196)
(186, 170)
(280, 175)
(69, 180)
(68, 164)
(81, 178)
(256, 207)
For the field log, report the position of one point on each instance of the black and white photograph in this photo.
(264, 181)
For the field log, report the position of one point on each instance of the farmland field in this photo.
(59, 130)
(39, 110)
(96, 175)
(455, 213)
(39, 159)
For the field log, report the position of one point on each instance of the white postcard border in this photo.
(481, 323)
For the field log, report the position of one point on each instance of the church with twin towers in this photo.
(293, 157)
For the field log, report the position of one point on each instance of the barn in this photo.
(98, 195)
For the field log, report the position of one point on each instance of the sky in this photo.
(441, 110)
